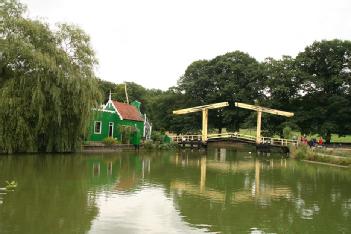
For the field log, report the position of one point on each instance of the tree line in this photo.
(315, 85)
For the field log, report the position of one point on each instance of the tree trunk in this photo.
(328, 138)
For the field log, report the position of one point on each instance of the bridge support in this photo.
(204, 125)
(258, 129)
(204, 110)
(259, 110)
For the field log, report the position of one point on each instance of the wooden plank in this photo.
(263, 109)
(200, 108)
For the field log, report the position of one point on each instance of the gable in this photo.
(110, 107)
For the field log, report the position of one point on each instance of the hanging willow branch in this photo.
(47, 92)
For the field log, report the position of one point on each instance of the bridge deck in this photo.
(280, 142)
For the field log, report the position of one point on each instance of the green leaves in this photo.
(48, 86)
(231, 77)
(326, 83)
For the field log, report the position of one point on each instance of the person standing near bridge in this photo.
(304, 139)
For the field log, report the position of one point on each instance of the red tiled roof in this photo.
(128, 111)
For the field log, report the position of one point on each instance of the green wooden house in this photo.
(120, 121)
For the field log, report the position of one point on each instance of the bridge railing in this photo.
(186, 138)
(264, 140)
(278, 141)
(231, 135)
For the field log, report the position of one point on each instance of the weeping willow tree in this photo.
(47, 83)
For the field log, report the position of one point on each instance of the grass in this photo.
(334, 137)
(334, 152)
(304, 152)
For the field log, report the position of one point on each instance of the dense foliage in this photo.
(315, 86)
(47, 83)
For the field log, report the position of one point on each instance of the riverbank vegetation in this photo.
(48, 88)
(304, 152)
(160, 141)
(335, 138)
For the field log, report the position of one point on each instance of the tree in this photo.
(105, 88)
(282, 91)
(231, 77)
(161, 108)
(47, 83)
(325, 105)
(135, 92)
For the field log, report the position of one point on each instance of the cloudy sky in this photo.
(151, 42)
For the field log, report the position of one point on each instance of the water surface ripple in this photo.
(218, 191)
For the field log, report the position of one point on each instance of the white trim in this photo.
(95, 127)
(144, 132)
(110, 101)
(103, 110)
(113, 126)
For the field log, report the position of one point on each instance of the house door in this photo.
(110, 129)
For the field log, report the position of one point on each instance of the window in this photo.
(97, 127)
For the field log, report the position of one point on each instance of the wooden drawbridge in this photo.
(205, 137)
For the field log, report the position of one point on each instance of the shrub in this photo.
(149, 145)
(299, 152)
(110, 141)
(156, 136)
(126, 132)
(168, 146)
(287, 133)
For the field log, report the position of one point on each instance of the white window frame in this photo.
(113, 126)
(95, 127)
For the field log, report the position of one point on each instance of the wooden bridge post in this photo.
(204, 110)
(258, 130)
(259, 110)
(204, 124)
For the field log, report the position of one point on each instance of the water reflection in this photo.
(252, 189)
(52, 195)
(219, 190)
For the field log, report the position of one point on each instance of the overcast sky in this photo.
(151, 42)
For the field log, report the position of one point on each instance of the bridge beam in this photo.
(204, 109)
(259, 110)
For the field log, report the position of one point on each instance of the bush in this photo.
(149, 145)
(126, 132)
(110, 141)
(168, 146)
(299, 152)
(156, 136)
(287, 133)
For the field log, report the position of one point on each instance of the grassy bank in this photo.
(334, 137)
(304, 152)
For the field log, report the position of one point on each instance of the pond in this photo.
(220, 191)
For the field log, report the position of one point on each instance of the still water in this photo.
(219, 191)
